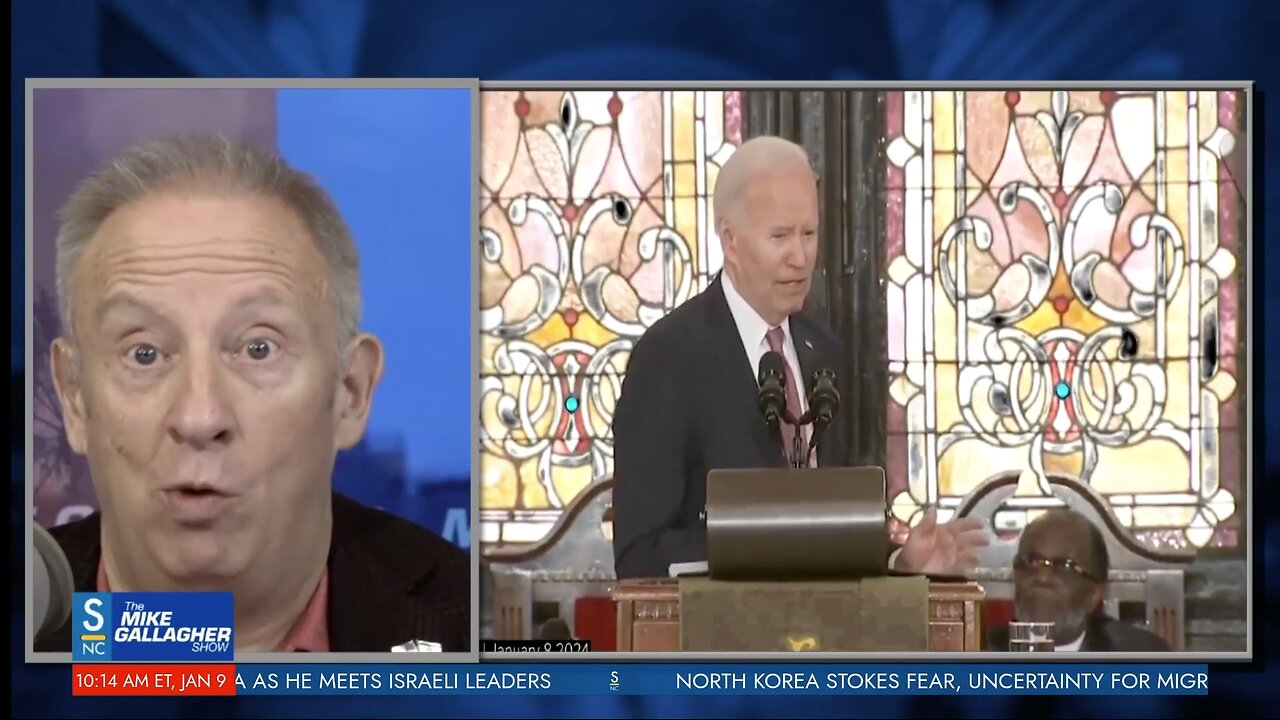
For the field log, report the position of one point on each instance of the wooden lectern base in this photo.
(649, 616)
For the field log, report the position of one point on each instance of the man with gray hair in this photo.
(1060, 577)
(211, 368)
(688, 404)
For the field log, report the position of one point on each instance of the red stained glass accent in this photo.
(1012, 98)
(893, 117)
(1229, 456)
(1227, 109)
(1227, 537)
(1231, 172)
(1057, 405)
(522, 107)
(1059, 199)
(570, 212)
(1108, 97)
(562, 447)
(733, 117)
(571, 385)
(1061, 304)
(896, 419)
(1229, 288)
(898, 531)
(1229, 314)
(570, 317)
(1229, 364)
(1228, 190)
(615, 106)
(894, 222)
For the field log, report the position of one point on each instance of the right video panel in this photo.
(1042, 294)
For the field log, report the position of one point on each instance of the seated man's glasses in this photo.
(1065, 568)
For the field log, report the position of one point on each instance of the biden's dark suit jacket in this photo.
(688, 406)
(390, 581)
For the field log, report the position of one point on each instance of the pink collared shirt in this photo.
(309, 634)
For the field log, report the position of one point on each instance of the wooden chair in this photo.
(566, 575)
(508, 598)
(1139, 575)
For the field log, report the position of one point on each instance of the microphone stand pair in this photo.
(824, 398)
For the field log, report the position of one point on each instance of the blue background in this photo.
(398, 164)
(741, 40)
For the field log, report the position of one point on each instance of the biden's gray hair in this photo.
(752, 159)
(216, 164)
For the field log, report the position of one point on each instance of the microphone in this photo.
(772, 397)
(824, 401)
(51, 581)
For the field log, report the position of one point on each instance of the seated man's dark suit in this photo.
(688, 406)
(390, 581)
(1102, 634)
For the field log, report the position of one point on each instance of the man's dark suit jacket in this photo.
(390, 581)
(688, 406)
(1102, 634)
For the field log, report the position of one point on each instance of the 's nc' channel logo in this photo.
(151, 627)
(613, 681)
(89, 622)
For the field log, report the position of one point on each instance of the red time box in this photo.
(173, 680)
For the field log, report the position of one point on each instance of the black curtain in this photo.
(843, 132)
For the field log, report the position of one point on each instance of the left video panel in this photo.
(250, 331)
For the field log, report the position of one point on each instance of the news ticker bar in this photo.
(640, 679)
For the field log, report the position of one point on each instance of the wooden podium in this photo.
(649, 616)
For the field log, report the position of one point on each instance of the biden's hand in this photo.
(949, 548)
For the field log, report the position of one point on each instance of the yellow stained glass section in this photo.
(575, 186)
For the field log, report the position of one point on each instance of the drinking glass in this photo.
(1030, 637)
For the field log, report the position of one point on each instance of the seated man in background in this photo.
(210, 369)
(1060, 576)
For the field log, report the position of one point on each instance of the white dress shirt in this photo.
(753, 330)
(1073, 646)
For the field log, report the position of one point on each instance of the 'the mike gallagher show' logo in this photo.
(159, 626)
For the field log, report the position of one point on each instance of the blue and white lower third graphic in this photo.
(153, 626)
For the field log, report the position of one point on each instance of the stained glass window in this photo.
(1063, 296)
(595, 222)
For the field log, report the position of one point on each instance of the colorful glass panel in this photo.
(1063, 296)
(595, 222)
